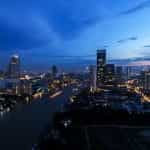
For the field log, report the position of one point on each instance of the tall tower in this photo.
(54, 71)
(119, 73)
(146, 80)
(110, 73)
(101, 66)
(128, 72)
(14, 67)
(92, 78)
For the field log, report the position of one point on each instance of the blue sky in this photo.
(44, 32)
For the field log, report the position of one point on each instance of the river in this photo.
(20, 129)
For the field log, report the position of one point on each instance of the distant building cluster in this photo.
(11, 82)
(145, 80)
(15, 82)
(107, 73)
(103, 73)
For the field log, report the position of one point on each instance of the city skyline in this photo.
(74, 74)
(79, 65)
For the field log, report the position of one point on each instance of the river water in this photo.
(21, 128)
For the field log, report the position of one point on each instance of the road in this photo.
(137, 90)
(20, 129)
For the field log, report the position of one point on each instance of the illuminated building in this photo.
(128, 72)
(14, 67)
(25, 87)
(93, 78)
(101, 66)
(110, 72)
(12, 86)
(146, 80)
(119, 73)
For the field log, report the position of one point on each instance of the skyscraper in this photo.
(128, 72)
(14, 67)
(92, 78)
(145, 76)
(119, 73)
(54, 71)
(101, 66)
(110, 73)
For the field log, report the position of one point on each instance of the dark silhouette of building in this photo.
(54, 71)
(93, 77)
(110, 72)
(119, 70)
(119, 73)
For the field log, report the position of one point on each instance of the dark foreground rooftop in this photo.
(102, 129)
(100, 138)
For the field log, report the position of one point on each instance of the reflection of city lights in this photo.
(1, 113)
(27, 77)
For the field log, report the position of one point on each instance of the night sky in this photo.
(68, 32)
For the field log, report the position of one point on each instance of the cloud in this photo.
(47, 23)
(13, 38)
(76, 57)
(139, 61)
(25, 32)
(44, 22)
(147, 46)
(145, 51)
(127, 39)
(137, 8)
(106, 46)
(132, 38)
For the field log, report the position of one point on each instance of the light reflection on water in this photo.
(1, 114)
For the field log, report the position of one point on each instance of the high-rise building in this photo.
(54, 71)
(12, 86)
(93, 78)
(110, 73)
(14, 67)
(119, 73)
(25, 87)
(128, 72)
(145, 79)
(101, 66)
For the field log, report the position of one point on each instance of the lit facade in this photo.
(101, 66)
(93, 78)
(14, 67)
(110, 72)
